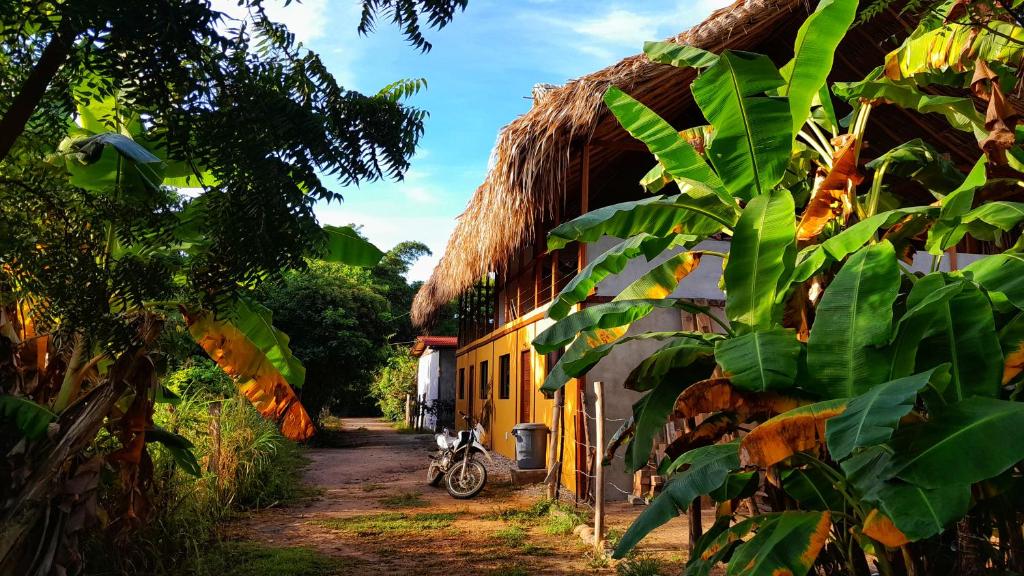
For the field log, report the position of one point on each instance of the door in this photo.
(525, 386)
(471, 394)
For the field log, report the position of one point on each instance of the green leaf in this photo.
(651, 412)
(785, 543)
(956, 46)
(680, 159)
(737, 485)
(926, 303)
(812, 489)
(919, 161)
(961, 444)
(31, 419)
(947, 231)
(872, 417)
(345, 246)
(760, 361)
(679, 55)
(988, 221)
(608, 315)
(1002, 276)
(612, 261)
(256, 322)
(963, 332)
(179, 447)
(664, 361)
(762, 252)
(754, 133)
(814, 51)
(657, 216)
(696, 343)
(853, 318)
(918, 512)
(708, 469)
(959, 112)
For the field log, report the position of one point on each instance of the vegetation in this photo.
(106, 112)
(403, 500)
(393, 382)
(391, 523)
(246, 559)
(863, 412)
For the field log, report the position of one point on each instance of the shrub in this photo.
(392, 382)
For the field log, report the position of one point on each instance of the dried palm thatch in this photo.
(533, 157)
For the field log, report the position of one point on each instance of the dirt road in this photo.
(376, 512)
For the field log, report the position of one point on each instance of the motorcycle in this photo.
(455, 461)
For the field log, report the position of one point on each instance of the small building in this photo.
(568, 155)
(435, 379)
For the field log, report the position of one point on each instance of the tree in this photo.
(875, 407)
(106, 108)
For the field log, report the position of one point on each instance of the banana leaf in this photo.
(344, 245)
(797, 430)
(761, 257)
(760, 361)
(852, 320)
(957, 47)
(785, 543)
(707, 469)
(872, 417)
(29, 418)
(959, 112)
(752, 145)
(679, 55)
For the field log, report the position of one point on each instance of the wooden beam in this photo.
(581, 262)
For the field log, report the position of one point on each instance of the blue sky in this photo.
(479, 73)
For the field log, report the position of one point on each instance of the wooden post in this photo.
(599, 469)
(408, 410)
(554, 465)
(584, 203)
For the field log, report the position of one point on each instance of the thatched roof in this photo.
(537, 158)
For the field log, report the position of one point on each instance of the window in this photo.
(504, 376)
(484, 384)
(462, 383)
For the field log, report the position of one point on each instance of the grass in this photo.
(531, 515)
(251, 559)
(372, 487)
(403, 428)
(562, 519)
(389, 523)
(511, 536)
(403, 500)
(639, 565)
(509, 570)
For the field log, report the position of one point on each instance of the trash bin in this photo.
(531, 445)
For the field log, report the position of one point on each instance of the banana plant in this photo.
(850, 410)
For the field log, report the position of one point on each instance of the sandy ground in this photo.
(378, 463)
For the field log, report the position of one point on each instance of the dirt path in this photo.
(376, 512)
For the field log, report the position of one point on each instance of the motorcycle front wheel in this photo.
(434, 474)
(466, 485)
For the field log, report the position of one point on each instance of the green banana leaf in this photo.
(760, 361)
(813, 489)
(30, 419)
(990, 220)
(1002, 276)
(814, 51)
(948, 229)
(963, 331)
(681, 161)
(345, 246)
(608, 315)
(679, 55)
(761, 256)
(919, 161)
(961, 444)
(179, 447)
(657, 216)
(718, 544)
(956, 47)
(612, 261)
(853, 318)
(697, 343)
(872, 417)
(785, 543)
(707, 469)
(919, 512)
(812, 259)
(959, 112)
(752, 146)
(664, 361)
(925, 305)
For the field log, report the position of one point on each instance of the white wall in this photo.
(427, 379)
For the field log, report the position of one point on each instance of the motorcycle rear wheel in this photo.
(468, 486)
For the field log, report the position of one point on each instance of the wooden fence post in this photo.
(408, 410)
(555, 466)
(599, 469)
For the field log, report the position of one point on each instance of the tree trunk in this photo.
(34, 88)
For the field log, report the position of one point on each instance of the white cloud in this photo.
(307, 19)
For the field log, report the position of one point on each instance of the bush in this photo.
(392, 382)
(253, 467)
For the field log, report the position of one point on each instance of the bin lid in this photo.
(530, 426)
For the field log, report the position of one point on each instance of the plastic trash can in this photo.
(531, 445)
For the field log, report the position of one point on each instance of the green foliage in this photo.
(248, 559)
(393, 381)
(875, 404)
(390, 523)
